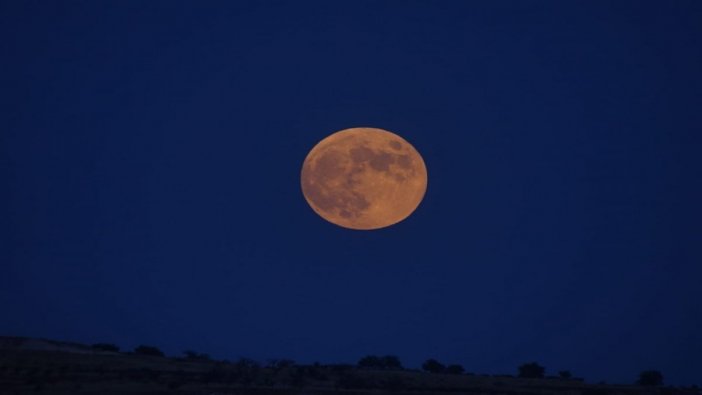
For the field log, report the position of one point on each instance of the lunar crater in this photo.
(395, 144)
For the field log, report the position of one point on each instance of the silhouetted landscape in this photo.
(30, 365)
(387, 196)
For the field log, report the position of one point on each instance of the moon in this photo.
(364, 178)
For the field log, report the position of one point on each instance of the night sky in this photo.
(150, 157)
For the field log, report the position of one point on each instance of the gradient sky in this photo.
(150, 155)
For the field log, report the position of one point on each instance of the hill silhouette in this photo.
(52, 367)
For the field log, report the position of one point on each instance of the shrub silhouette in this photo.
(385, 362)
(369, 361)
(531, 370)
(148, 350)
(455, 369)
(105, 347)
(280, 364)
(196, 356)
(246, 371)
(433, 366)
(565, 374)
(651, 378)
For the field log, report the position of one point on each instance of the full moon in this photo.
(364, 178)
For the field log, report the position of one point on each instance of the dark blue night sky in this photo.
(150, 155)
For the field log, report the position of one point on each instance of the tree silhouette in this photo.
(455, 369)
(391, 362)
(651, 378)
(565, 374)
(148, 350)
(433, 366)
(531, 370)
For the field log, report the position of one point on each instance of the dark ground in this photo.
(49, 367)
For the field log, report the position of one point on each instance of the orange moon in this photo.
(364, 178)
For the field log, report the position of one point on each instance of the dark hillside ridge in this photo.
(40, 366)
